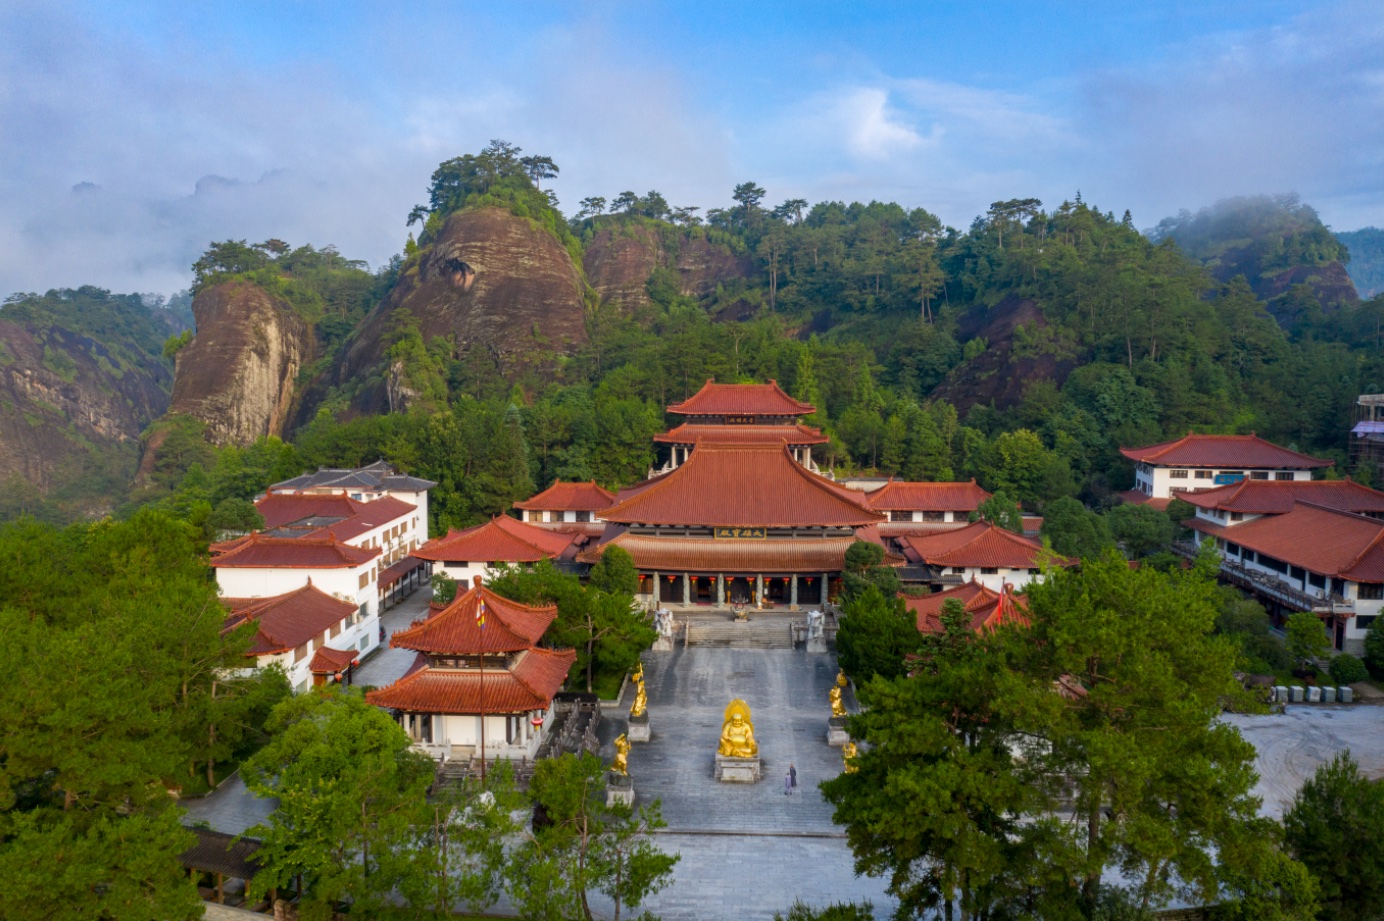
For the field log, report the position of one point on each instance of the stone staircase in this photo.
(763, 633)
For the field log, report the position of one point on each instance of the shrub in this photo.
(1347, 669)
(1374, 648)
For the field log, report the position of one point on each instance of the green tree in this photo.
(937, 801)
(1002, 511)
(1156, 782)
(459, 862)
(1140, 529)
(235, 515)
(865, 567)
(348, 785)
(1374, 648)
(1073, 529)
(615, 573)
(444, 588)
(1340, 811)
(584, 845)
(877, 632)
(1305, 637)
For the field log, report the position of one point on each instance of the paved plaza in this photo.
(688, 692)
(1291, 745)
(748, 850)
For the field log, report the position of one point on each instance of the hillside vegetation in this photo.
(1022, 351)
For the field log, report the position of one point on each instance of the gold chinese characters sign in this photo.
(741, 533)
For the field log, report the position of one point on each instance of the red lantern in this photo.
(537, 721)
(336, 677)
(355, 663)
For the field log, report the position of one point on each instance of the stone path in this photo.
(388, 665)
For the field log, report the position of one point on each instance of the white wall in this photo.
(1018, 578)
(1159, 482)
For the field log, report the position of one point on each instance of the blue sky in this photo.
(133, 134)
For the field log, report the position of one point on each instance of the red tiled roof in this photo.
(396, 572)
(988, 608)
(509, 626)
(1223, 451)
(979, 544)
(577, 497)
(692, 554)
(289, 620)
(499, 540)
(530, 684)
(1322, 540)
(260, 552)
(328, 660)
(741, 400)
(744, 485)
(281, 510)
(691, 434)
(897, 495)
(1276, 497)
(1138, 497)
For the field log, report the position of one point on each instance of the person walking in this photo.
(788, 783)
(792, 777)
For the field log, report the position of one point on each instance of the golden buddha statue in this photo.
(848, 753)
(737, 732)
(622, 754)
(641, 698)
(841, 680)
(837, 708)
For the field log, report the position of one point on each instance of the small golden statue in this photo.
(848, 756)
(641, 698)
(622, 755)
(837, 708)
(737, 732)
(841, 681)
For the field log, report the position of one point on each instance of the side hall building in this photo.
(1196, 462)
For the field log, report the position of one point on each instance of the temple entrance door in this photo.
(670, 589)
(738, 590)
(703, 589)
(809, 590)
(776, 589)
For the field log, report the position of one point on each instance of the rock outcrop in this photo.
(65, 398)
(997, 376)
(490, 280)
(239, 373)
(619, 261)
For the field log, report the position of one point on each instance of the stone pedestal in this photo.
(736, 770)
(619, 789)
(1328, 695)
(639, 728)
(817, 644)
(663, 644)
(1314, 695)
(1346, 694)
(1295, 694)
(836, 732)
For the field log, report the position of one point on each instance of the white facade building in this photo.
(1197, 462)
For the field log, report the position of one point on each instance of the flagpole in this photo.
(482, 715)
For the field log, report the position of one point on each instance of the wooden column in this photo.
(720, 590)
(686, 589)
(793, 592)
(658, 592)
(759, 589)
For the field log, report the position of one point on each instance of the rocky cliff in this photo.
(491, 280)
(239, 373)
(619, 261)
(998, 375)
(80, 378)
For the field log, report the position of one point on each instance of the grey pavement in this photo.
(388, 665)
(688, 693)
(1291, 745)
